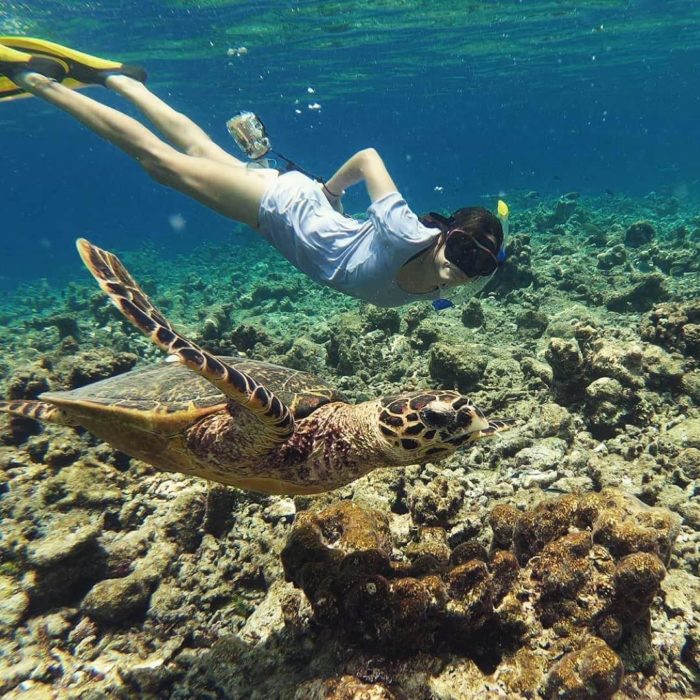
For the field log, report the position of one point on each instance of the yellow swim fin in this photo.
(13, 62)
(82, 68)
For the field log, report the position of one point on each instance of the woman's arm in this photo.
(365, 165)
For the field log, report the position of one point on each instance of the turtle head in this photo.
(428, 426)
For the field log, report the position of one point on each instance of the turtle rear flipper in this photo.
(131, 300)
(37, 410)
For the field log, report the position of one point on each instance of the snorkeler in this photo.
(391, 258)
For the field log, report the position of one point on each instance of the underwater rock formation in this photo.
(344, 688)
(579, 571)
(473, 313)
(592, 672)
(531, 323)
(613, 381)
(641, 291)
(639, 234)
(460, 365)
(177, 586)
(518, 272)
(674, 326)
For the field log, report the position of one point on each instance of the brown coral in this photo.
(581, 569)
(675, 326)
(343, 688)
(595, 672)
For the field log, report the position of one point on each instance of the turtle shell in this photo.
(146, 412)
(168, 388)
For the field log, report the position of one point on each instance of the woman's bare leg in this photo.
(175, 126)
(231, 190)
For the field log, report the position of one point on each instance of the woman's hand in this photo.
(365, 165)
(333, 199)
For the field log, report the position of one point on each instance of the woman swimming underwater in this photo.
(392, 258)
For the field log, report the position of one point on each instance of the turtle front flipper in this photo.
(37, 410)
(115, 280)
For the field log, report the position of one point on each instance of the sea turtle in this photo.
(248, 424)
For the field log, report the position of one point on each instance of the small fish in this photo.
(441, 304)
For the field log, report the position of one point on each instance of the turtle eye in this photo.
(436, 418)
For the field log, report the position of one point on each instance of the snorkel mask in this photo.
(475, 256)
(476, 260)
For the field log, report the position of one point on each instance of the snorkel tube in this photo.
(503, 214)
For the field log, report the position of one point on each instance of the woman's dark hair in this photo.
(473, 238)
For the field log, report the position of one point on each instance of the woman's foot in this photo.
(13, 62)
(80, 67)
(121, 83)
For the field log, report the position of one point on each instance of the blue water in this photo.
(476, 98)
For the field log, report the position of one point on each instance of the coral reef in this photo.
(580, 571)
(524, 573)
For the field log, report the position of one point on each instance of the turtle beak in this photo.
(471, 419)
(468, 426)
(483, 428)
(455, 426)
